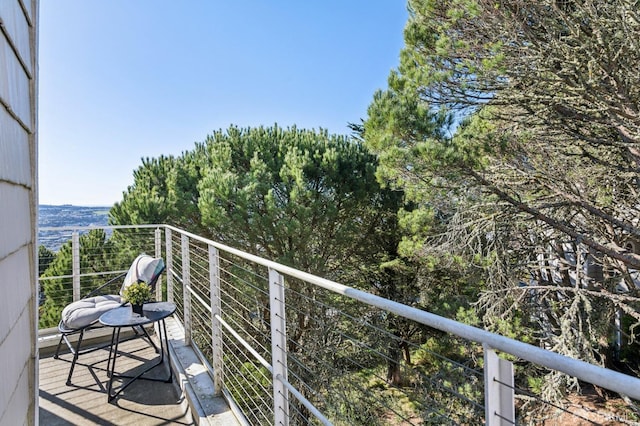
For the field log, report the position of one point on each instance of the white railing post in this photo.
(278, 348)
(169, 263)
(216, 312)
(75, 264)
(186, 289)
(498, 389)
(158, 253)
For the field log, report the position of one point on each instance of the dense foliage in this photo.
(299, 197)
(537, 183)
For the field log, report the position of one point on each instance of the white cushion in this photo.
(86, 311)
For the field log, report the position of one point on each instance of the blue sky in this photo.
(121, 79)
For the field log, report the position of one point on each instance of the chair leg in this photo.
(76, 352)
(55, 356)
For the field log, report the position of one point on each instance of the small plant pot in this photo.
(137, 309)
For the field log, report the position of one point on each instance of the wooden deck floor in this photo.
(85, 401)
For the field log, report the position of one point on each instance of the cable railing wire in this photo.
(330, 403)
(363, 390)
(367, 324)
(238, 389)
(384, 357)
(236, 326)
(252, 383)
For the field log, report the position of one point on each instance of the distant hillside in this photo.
(66, 216)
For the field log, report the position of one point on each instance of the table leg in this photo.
(115, 338)
(166, 341)
(111, 363)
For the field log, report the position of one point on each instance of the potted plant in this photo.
(137, 294)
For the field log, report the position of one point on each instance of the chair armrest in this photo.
(97, 290)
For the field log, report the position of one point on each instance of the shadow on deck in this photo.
(84, 402)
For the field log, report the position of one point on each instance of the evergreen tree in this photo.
(535, 188)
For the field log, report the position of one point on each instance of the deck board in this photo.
(85, 401)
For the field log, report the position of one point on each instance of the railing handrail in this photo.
(91, 227)
(608, 379)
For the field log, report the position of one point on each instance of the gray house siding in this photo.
(18, 212)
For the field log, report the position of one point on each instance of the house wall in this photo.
(18, 212)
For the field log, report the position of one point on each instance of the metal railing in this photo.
(286, 347)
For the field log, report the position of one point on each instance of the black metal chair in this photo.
(82, 315)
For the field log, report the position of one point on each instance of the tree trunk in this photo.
(407, 353)
(394, 375)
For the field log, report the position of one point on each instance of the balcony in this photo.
(268, 344)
